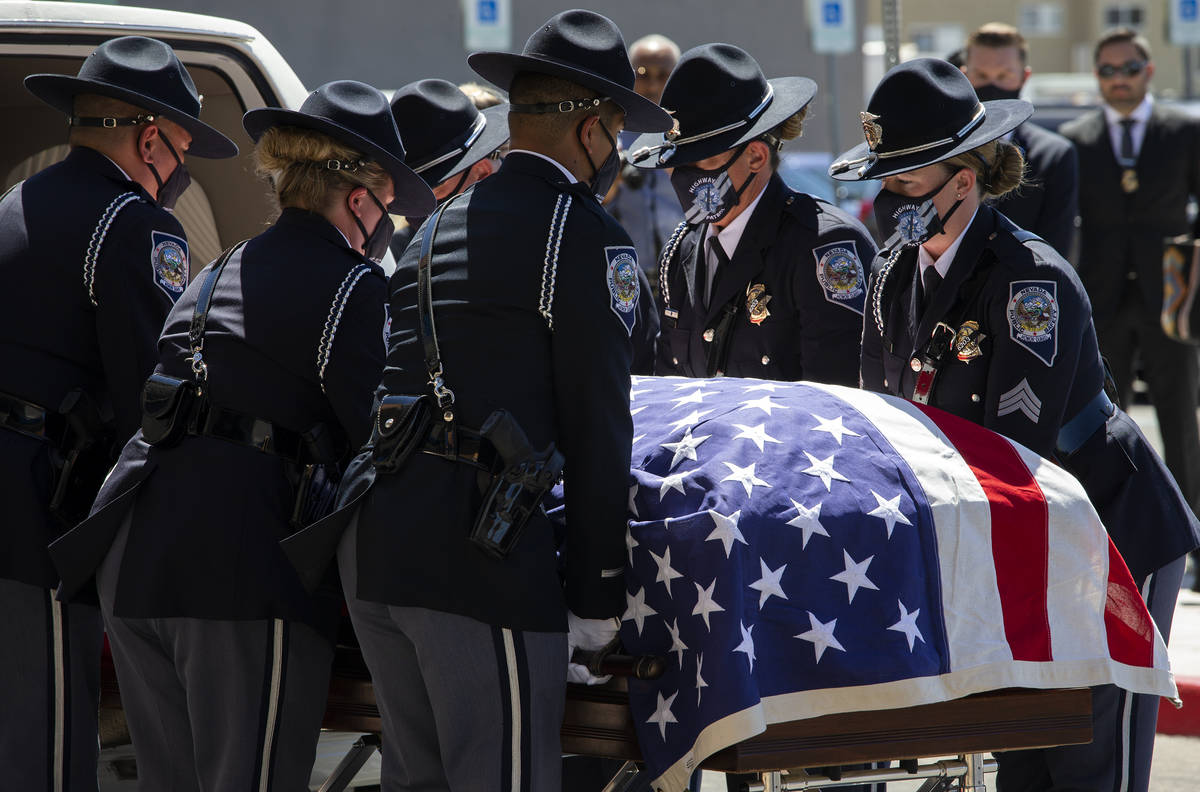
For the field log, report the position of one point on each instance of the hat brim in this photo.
(499, 68)
(59, 91)
(493, 136)
(413, 197)
(791, 95)
(1003, 115)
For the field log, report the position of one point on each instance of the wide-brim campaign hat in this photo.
(443, 132)
(359, 116)
(144, 72)
(922, 112)
(585, 48)
(720, 99)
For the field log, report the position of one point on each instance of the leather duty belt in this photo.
(32, 420)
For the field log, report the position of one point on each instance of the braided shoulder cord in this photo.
(97, 241)
(664, 263)
(880, 282)
(336, 308)
(550, 265)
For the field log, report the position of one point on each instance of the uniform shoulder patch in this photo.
(1033, 317)
(169, 263)
(840, 273)
(623, 286)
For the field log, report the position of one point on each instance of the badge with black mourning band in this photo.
(924, 111)
(967, 341)
(719, 99)
(756, 303)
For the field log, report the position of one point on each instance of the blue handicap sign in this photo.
(831, 13)
(1188, 10)
(487, 12)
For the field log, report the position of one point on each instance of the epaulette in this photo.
(336, 309)
(558, 221)
(97, 241)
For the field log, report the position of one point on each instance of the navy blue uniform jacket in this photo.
(1035, 368)
(72, 321)
(808, 254)
(294, 336)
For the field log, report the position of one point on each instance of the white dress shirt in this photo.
(1140, 116)
(728, 238)
(942, 263)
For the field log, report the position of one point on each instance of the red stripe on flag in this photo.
(1020, 531)
(1126, 620)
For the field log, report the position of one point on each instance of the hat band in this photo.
(668, 147)
(460, 148)
(980, 113)
(565, 106)
(109, 122)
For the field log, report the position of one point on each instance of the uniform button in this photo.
(975, 398)
(766, 359)
(708, 335)
(914, 364)
(674, 361)
(885, 382)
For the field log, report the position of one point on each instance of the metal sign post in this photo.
(891, 34)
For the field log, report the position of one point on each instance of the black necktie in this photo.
(930, 280)
(1128, 157)
(718, 251)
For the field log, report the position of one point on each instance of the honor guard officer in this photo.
(971, 314)
(450, 143)
(758, 280)
(509, 355)
(266, 367)
(92, 261)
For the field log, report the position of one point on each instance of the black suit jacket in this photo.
(1049, 201)
(1121, 232)
(811, 257)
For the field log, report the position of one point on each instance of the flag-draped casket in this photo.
(798, 549)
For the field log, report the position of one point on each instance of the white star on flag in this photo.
(700, 683)
(662, 713)
(823, 469)
(677, 644)
(768, 584)
(689, 420)
(636, 410)
(630, 543)
(685, 448)
(888, 510)
(747, 644)
(854, 576)
(726, 530)
(744, 476)
(769, 387)
(756, 433)
(834, 427)
(765, 404)
(695, 397)
(633, 394)
(705, 604)
(637, 609)
(673, 482)
(637, 439)
(665, 573)
(821, 636)
(808, 521)
(633, 509)
(908, 625)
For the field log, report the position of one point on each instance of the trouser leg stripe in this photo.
(524, 745)
(58, 717)
(273, 681)
(507, 759)
(514, 695)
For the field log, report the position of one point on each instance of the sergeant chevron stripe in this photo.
(1020, 398)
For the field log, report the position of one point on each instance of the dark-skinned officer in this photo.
(523, 322)
(263, 385)
(92, 261)
(759, 280)
(971, 314)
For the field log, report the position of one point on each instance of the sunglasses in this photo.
(1128, 68)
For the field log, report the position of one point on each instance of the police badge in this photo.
(756, 303)
(872, 131)
(1129, 180)
(967, 341)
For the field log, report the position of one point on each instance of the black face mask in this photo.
(905, 220)
(707, 195)
(376, 244)
(179, 180)
(606, 174)
(990, 93)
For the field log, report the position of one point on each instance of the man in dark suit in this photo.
(1139, 163)
(996, 62)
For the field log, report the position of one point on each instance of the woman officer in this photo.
(971, 314)
(266, 370)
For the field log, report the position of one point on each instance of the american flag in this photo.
(798, 549)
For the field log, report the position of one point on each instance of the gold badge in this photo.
(872, 131)
(967, 340)
(756, 303)
(1129, 180)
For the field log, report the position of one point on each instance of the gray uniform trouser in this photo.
(49, 691)
(466, 706)
(217, 705)
(1123, 726)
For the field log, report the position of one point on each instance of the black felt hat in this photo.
(144, 72)
(359, 116)
(924, 111)
(720, 99)
(584, 48)
(443, 132)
